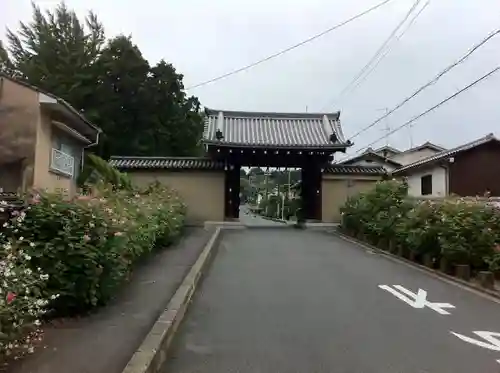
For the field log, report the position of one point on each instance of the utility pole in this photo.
(266, 195)
(386, 128)
(410, 132)
(289, 183)
(278, 193)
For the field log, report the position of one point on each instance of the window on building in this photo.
(426, 185)
(65, 156)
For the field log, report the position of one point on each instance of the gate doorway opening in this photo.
(273, 193)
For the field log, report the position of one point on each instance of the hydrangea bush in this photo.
(63, 256)
(22, 302)
(461, 230)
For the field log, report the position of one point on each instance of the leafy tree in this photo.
(58, 53)
(255, 171)
(142, 110)
(98, 170)
(6, 65)
(176, 119)
(245, 189)
(122, 99)
(281, 177)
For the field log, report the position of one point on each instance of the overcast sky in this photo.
(204, 39)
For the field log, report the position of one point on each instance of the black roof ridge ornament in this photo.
(219, 135)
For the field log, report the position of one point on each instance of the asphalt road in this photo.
(301, 301)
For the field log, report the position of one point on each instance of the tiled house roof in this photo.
(285, 130)
(388, 148)
(169, 163)
(369, 154)
(354, 170)
(446, 154)
(426, 145)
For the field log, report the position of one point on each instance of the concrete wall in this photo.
(202, 191)
(336, 189)
(439, 181)
(26, 138)
(19, 118)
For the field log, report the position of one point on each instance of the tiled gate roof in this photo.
(256, 129)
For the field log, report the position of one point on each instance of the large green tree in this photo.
(142, 109)
(58, 53)
(176, 118)
(6, 65)
(122, 99)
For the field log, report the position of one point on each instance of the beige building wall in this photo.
(19, 118)
(202, 191)
(336, 189)
(44, 178)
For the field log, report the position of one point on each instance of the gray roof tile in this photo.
(368, 154)
(355, 170)
(306, 130)
(446, 154)
(170, 163)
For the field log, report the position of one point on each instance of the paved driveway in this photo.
(303, 301)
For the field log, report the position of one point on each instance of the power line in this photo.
(379, 51)
(388, 50)
(428, 84)
(434, 107)
(292, 47)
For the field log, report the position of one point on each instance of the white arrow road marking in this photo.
(438, 307)
(491, 338)
(418, 300)
(420, 297)
(396, 294)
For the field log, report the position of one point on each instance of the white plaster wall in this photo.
(439, 182)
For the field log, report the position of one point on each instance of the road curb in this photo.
(490, 294)
(152, 353)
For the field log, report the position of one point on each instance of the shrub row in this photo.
(462, 231)
(69, 256)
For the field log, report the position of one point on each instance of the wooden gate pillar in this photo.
(311, 190)
(232, 191)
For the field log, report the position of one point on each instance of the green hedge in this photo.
(69, 256)
(463, 231)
